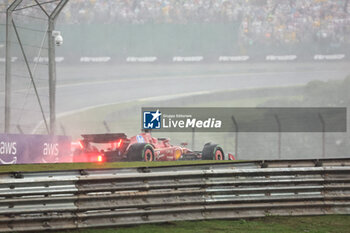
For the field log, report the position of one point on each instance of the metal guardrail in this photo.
(35, 201)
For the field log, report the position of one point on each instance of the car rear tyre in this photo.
(212, 152)
(141, 152)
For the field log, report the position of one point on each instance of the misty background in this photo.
(119, 56)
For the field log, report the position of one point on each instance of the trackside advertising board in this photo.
(25, 149)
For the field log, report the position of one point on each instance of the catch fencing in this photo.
(74, 199)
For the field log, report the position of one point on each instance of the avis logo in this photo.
(151, 120)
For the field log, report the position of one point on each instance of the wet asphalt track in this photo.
(81, 87)
(90, 85)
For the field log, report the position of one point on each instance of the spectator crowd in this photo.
(261, 22)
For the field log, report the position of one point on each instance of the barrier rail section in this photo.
(74, 199)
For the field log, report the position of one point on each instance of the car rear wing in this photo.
(103, 138)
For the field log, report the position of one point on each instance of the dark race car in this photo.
(142, 147)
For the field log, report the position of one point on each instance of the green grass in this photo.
(77, 166)
(319, 224)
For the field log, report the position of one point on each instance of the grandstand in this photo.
(208, 28)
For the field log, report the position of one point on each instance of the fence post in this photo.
(279, 135)
(236, 135)
(193, 138)
(323, 135)
(63, 130)
(106, 126)
(19, 129)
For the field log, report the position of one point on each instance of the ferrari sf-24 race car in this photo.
(114, 147)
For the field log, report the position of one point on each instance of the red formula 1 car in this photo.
(142, 147)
